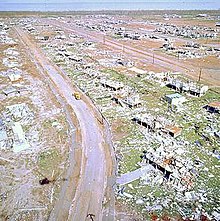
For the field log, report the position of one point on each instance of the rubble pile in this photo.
(187, 31)
(190, 50)
(4, 34)
(176, 82)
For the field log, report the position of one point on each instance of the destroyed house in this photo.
(175, 171)
(202, 15)
(75, 58)
(46, 38)
(168, 46)
(43, 38)
(148, 121)
(132, 101)
(176, 85)
(192, 45)
(217, 135)
(112, 85)
(121, 62)
(165, 170)
(198, 91)
(174, 131)
(118, 99)
(5, 139)
(10, 91)
(3, 136)
(31, 29)
(135, 36)
(20, 142)
(213, 107)
(175, 99)
(68, 54)
(60, 37)
(191, 88)
(14, 74)
(19, 111)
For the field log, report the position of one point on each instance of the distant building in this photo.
(202, 15)
(213, 107)
(217, 24)
(43, 38)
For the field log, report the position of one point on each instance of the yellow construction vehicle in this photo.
(77, 95)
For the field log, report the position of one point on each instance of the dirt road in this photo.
(92, 180)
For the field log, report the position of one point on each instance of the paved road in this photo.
(90, 191)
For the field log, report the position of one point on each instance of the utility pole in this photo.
(153, 57)
(200, 74)
(103, 39)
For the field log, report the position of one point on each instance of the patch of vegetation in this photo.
(49, 160)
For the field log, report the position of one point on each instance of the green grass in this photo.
(130, 160)
(48, 160)
(115, 36)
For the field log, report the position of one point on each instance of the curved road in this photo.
(94, 172)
